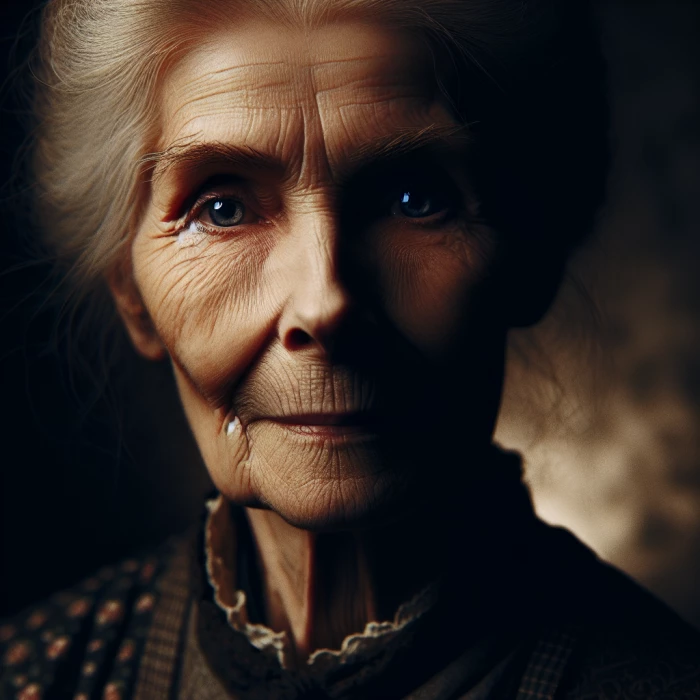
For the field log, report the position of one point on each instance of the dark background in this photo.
(606, 410)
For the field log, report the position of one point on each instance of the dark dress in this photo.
(552, 621)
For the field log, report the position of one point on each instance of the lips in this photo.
(358, 418)
(329, 426)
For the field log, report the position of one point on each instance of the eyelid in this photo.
(209, 191)
(447, 193)
(192, 211)
(424, 174)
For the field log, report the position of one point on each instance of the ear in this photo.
(132, 310)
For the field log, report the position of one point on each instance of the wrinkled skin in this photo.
(325, 295)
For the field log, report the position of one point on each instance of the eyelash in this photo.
(194, 212)
(452, 210)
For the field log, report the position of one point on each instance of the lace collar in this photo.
(376, 639)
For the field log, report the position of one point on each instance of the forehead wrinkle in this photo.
(246, 65)
(243, 83)
(316, 65)
(242, 118)
(219, 101)
(383, 74)
(394, 134)
(313, 121)
(268, 95)
(334, 107)
(252, 141)
(331, 167)
(229, 75)
(251, 79)
(326, 117)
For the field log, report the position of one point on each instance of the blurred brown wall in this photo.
(612, 439)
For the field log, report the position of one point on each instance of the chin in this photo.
(341, 506)
(325, 485)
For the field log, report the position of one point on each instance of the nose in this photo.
(318, 304)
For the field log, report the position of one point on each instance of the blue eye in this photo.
(225, 212)
(416, 204)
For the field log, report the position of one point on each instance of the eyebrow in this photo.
(452, 138)
(184, 156)
(401, 143)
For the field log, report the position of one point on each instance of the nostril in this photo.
(297, 338)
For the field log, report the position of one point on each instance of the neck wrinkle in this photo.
(319, 587)
(321, 590)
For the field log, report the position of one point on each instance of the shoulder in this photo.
(628, 644)
(87, 641)
(634, 647)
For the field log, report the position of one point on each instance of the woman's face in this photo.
(310, 261)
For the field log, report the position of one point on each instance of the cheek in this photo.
(209, 307)
(430, 285)
(227, 456)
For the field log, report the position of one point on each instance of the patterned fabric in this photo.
(85, 642)
(409, 657)
(547, 665)
(163, 644)
(482, 671)
(198, 681)
(554, 624)
(653, 655)
(225, 536)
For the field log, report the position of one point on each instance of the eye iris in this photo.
(416, 204)
(225, 212)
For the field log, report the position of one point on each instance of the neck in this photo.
(322, 587)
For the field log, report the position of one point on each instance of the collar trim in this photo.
(220, 558)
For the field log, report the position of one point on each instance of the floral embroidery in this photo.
(31, 692)
(145, 603)
(112, 692)
(79, 608)
(7, 632)
(92, 585)
(126, 651)
(20, 680)
(89, 668)
(18, 653)
(88, 631)
(57, 648)
(36, 619)
(147, 572)
(107, 573)
(110, 612)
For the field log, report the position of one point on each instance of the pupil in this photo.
(226, 212)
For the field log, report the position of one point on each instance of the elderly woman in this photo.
(326, 215)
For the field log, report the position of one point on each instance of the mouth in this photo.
(328, 424)
(326, 419)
